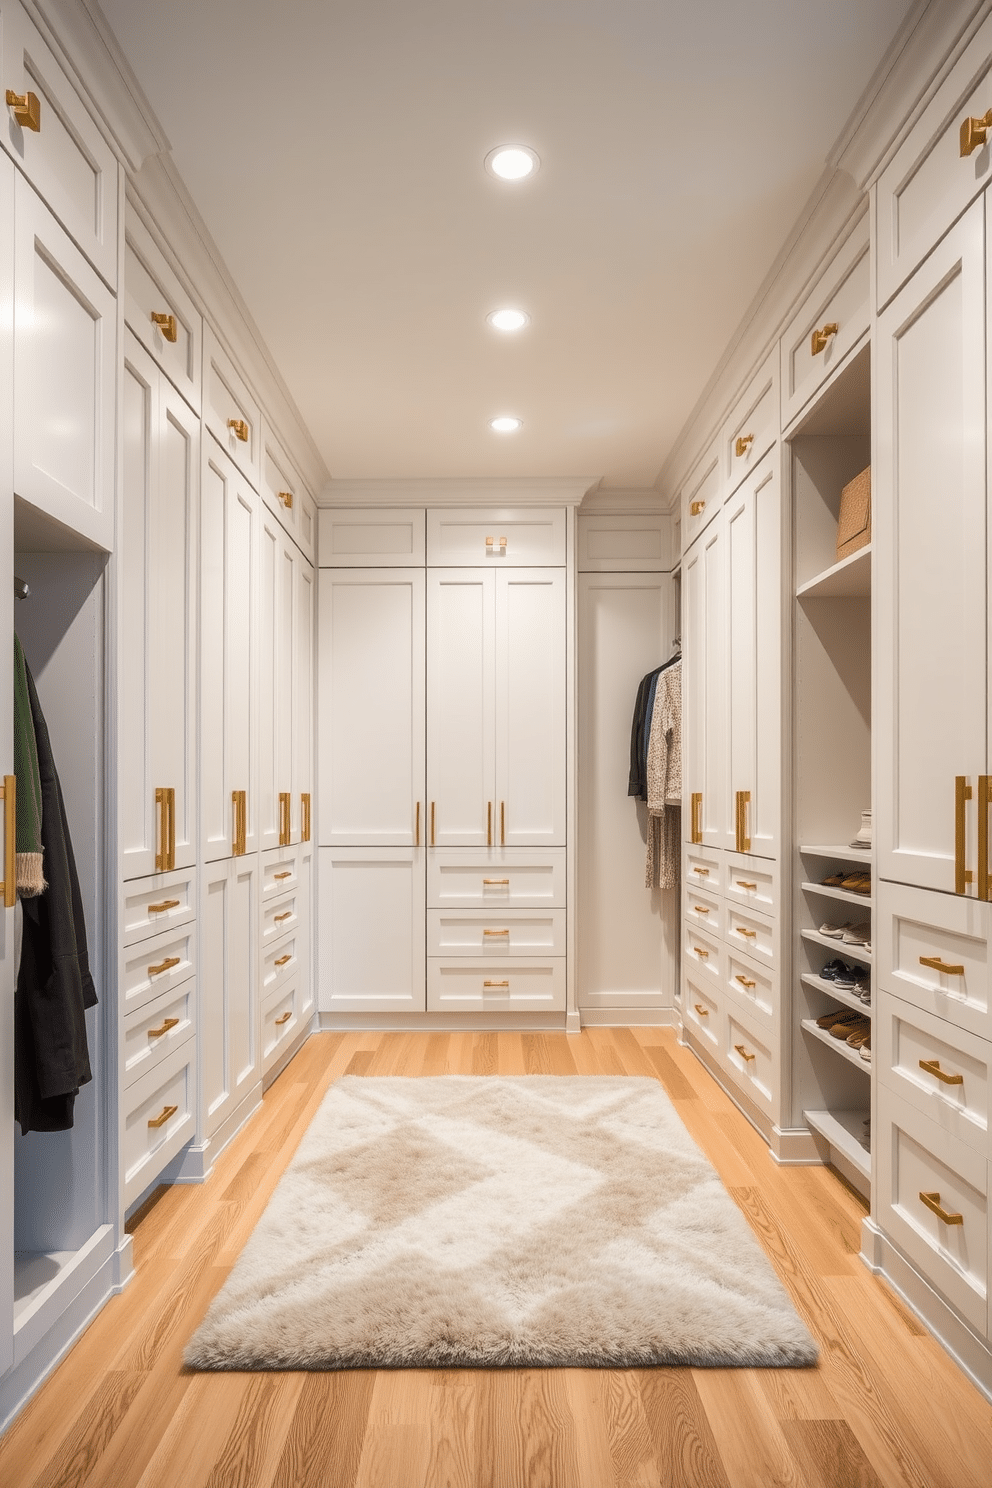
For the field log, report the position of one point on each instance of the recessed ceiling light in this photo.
(512, 162)
(505, 425)
(508, 320)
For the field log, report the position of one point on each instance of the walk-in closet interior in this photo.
(348, 746)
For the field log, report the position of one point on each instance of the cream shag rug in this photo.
(472, 1221)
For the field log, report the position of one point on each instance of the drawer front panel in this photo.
(840, 299)
(533, 538)
(285, 495)
(917, 926)
(156, 965)
(161, 313)
(701, 1010)
(701, 495)
(382, 538)
(536, 986)
(152, 1032)
(748, 1059)
(752, 987)
(279, 917)
(919, 1158)
(752, 933)
(753, 427)
(461, 933)
(752, 883)
(280, 964)
(703, 910)
(641, 544)
(148, 1148)
(939, 1069)
(470, 880)
(280, 1022)
(704, 868)
(704, 954)
(229, 410)
(280, 872)
(151, 905)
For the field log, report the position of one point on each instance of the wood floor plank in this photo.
(485, 1054)
(829, 1454)
(677, 1087)
(635, 1461)
(750, 1440)
(323, 1445)
(525, 1430)
(451, 1426)
(548, 1054)
(685, 1449)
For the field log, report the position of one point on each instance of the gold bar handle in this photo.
(743, 1053)
(26, 108)
(696, 508)
(701, 908)
(745, 981)
(163, 1116)
(489, 823)
(158, 1032)
(936, 964)
(433, 823)
(982, 806)
(286, 497)
(162, 855)
(743, 444)
(238, 846)
(973, 132)
(500, 881)
(962, 793)
(239, 428)
(167, 325)
(819, 339)
(278, 919)
(747, 934)
(416, 826)
(288, 873)
(743, 840)
(489, 542)
(161, 908)
(743, 884)
(700, 952)
(702, 1011)
(9, 885)
(495, 984)
(932, 1201)
(284, 1019)
(166, 965)
(703, 872)
(305, 823)
(932, 1067)
(284, 960)
(495, 932)
(285, 828)
(502, 823)
(696, 808)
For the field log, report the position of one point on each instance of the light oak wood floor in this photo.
(884, 1406)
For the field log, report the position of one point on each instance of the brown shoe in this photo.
(846, 1016)
(851, 1028)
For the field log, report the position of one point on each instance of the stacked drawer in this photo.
(285, 928)
(730, 972)
(158, 991)
(496, 930)
(933, 1052)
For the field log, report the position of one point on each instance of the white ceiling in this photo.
(335, 149)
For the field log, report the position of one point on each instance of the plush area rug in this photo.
(468, 1221)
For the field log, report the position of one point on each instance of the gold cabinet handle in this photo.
(161, 908)
(973, 132)
(818, 340)
(166, 965)
(489, 542)
(26, 109)
(158, 1032)
(286, 497)
(502, 823)
(278, 919)
(962, 874)
(9, 886)
(695, 826)
(745, 981)
(239, 800)
(239, 428)
(433, 823)
(284, 1019)
(696, 508)
(285, 827)
(932, 1201)
(495, 932)
(416, 826)
(495, 984)
(703, 872)
(167, 324)
(288, 873)
(700, 952)
(743, 799)
(743, 444)
(305, 823)
(743, 884)
(936, 964)
(701, 908)
(284, 960)
(489, 823)
(747, 934)
(163, 1116)
(744, 1053)
(500, 881)
(932, 1067)
(165, 800)
(703, 1012)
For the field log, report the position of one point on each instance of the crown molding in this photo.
(481, 490)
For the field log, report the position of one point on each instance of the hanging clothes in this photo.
(664, 781)
(54, 985)
(639, 729)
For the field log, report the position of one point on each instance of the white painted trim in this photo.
(794, 1147)
(459, 491)
(286, 1056)
(629, 1017)
(194, 1164)
(441, 1022)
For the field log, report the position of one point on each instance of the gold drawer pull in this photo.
(167, 325)
(700, 952)
(743, 1053)
(743, 799)
(285, 819)
(973, 132)
(963, 875)
(700, 909)
(696, 508)
(489, 823)
(278, 919)
(158, 1032)
(495, 932)
(932, 1201)
(703, 1012)
(163, 1116)
(745, 981)
(495, 984)
(938, 965)
(161, 908)
(416, 827)
(165, 965)
(287, 874)
(741, 884)
(748, 934)
(165, 800)
(696, 822)
(505, 881)
(703, 872)
(284, 960)
(239, 429)
(8, 889)
(305, 818)
(26, 108)
(818, 340)
(744, 443)
(932, 1067)
(286, 497)
(284, 1019)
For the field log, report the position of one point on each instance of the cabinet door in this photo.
(752, 725)
(276, 645)
(303, 601)
(160, 439)
(305, 933)
(705, 703)
(229, 1010)
(461, 699)
(930, 536)
(7, 964)
(372, 706)
(372, 936)
(228, 633)
(530, 708)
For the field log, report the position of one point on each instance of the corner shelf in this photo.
(848, 579)
(842, 1130)
(839, 1046)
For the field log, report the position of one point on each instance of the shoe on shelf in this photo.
(862, 985)
(865, 1052)
(832, 969)
(859, 935)
(860, 1035)
(835, 932)
(856, 1025)
(838, 1015)
(846, 979)
(834, 881)
(857, 883)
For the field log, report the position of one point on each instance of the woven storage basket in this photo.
(854, 521)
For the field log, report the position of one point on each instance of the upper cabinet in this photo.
(53, 138)
(160, 312)
(229, 410)
(624, 543)
(752, 427)
(701, 494)
(379, 537)
(831, 320)
(496, 537)
(286, 496)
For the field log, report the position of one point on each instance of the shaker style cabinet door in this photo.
(704, 755)
(529, 805)
(229, 1034)
(461, 707)
(930, 535)
(372, 707)
(302, 823)
(372, 936)
(278, 560)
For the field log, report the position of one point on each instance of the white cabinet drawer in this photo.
(748, 1056)
(151, 905)
(915, 1157)
(158, 1118)
(753, 426)
(534, 986)
(917, 926)
(160, 312)
(515, 933)
(701, 1010)
(153, 1031)
(156, 965)
(753, 988)
(705, 954)
(280, 1023)
(752, 883)
(67, 159)
(752, 933)
(382, 538)
(508, 536)
(703, 910)
(702, 495)
(279, 916)
(625, 544)
(939, 1069)
(841, 299)
(285, 494)
(279, 963)
(465, 879)
(280, 871)
(928, 184)
(229, 410)
(704, 867)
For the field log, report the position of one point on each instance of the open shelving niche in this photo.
(827, 447)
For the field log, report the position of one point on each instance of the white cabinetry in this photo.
(372, 930)
(279, 561)
(704, 706)
(229, 975)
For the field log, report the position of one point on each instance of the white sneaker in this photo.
(859, 935)
(836, 932)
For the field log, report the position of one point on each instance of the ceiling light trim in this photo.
(513, 179)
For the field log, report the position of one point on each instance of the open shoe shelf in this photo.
(839, 1046)
(838, 994)
(842, 1129)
